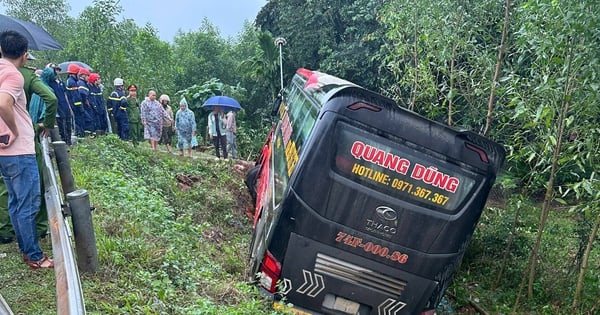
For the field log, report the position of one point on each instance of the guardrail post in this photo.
(61, 154)
(83, 230)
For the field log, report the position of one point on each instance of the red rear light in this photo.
(269, 272)
(479, 151)
(428, 312)
(359, 105)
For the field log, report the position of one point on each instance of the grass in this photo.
(164, 247)
(172, 238)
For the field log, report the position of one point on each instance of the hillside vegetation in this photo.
(173, 233)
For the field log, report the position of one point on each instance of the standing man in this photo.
(64, 113)
(153, 116)
(216, 130)
(96, 98)
(75, 99)
(17, 150)
(136, 131)
(231, 127)
(89, 112)
(168, 124)
(118, 103)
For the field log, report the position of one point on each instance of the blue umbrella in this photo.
(224, 102)
(37, 37)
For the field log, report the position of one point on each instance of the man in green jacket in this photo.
(31, 85)
(136, 131)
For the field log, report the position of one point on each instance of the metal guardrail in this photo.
(4, 309)
(69, 295)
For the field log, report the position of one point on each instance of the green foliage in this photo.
(162, 248)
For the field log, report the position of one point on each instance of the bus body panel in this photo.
(370, 193)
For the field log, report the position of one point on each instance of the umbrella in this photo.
(64, 65)
(225, 102)
(37, 37)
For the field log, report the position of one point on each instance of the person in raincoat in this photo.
(185, 125)
(153, 116)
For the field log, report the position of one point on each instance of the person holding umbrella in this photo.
(217, 129)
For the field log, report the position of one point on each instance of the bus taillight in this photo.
(269, 272)
(361, 105)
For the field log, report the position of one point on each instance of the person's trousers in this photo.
(7, 231)
(21, 177)
(64, 128)
(231, 146)
(136, 132)
(220, 142)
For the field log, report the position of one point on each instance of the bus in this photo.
(361, 206)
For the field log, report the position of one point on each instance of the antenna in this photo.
(280, 42)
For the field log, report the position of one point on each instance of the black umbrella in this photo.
(64, 65)
(38, 38)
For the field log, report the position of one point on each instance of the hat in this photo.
(30, 56)
(164, 97)
(73, 68)
(118, 82)
(183, 102)
(53, 66)
(93, 77)
(132, 87)
(83, 71)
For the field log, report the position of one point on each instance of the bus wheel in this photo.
(257, 249)
(251, 181)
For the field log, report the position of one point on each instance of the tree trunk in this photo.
(584, 262)
(488, 120)
(549, 195)
(415, 60)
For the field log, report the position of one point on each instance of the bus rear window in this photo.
(401, 171)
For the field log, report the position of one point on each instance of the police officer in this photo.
(75, 99)
(136, 131)
(118, 103)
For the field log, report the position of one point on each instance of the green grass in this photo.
(165, 248)
(162, 249)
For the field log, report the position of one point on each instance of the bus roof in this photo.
(320, 85)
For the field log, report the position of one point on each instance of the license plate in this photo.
(281, 307)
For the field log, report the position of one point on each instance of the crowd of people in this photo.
(33, 102)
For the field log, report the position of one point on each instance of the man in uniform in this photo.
(88, 106)
(98, 100)
(64, 113)
(118, 103)
(136, 131)
(75, 99)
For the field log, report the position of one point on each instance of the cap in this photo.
(30, 56)
(83, 71)
(53, 66)
(73, 68)
(164, 97)
(93, 77)
(118, 82)
(132, 87)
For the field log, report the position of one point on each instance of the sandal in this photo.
(25, 258)
(42, 263)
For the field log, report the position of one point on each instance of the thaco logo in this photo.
(384, 222)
